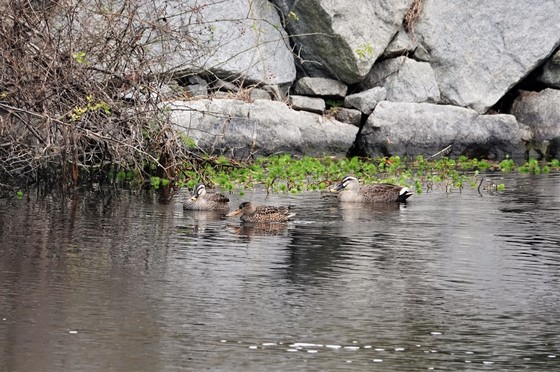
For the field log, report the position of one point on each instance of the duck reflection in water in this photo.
(258, 229)
(356, 212)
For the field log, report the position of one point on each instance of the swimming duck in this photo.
(375, 193)
(206, 201)
(261, 213)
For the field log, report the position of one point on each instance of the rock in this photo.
(196, 80)
(197, 90)
(342, 39)
(551, 71)
(480, 49)
(540, 111)
(349, 116)
(411, 129)
(231, 39)
(367, 100)
(278, 93)
(225, 86)
(257, 93)
(313, 86)
(401, 45)
(310, 104)
(405, 79)
(240, 129)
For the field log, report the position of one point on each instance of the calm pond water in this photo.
(454, 281)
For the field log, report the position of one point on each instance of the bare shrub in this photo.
(80, 94)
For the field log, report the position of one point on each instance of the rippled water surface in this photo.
(454, 281)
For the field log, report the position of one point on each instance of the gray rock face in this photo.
(233, 39)
(257, 93)
(411, 129)
(479, 49)
(316, 105)
(405, 79)
(400, 45)
(367, 100)
(342, 39)
(551, 71)
(349, 116)
(240, 129)
(541, 112)
(316, 86)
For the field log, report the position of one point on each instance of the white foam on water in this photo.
(469, 352)
(305, 344)
(367, 347)
(348, 361)
(223, 341)
(352, 347)
(379, 349)
(333, 346)
(312, 351)
(253, 347)
(552, 356)
(378, 360)
(487, 362)
(269, 344)
(291, 350)
(73, 332)
(399, 349)
(354, 342)
(435, 333)
(467, 361)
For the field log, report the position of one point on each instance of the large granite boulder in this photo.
(541, 112)
(342, 39)
(367, 100)
(316, 86)
(551, 71)
(411, 129)
(480, 49)
(232, 39)
(404, 79)
(239, 129)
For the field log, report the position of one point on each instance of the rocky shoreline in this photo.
(478, 79)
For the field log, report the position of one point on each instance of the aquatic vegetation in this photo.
(284, 173)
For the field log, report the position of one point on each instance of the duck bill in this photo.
(337, 188)
(234, 213)
(193, 198)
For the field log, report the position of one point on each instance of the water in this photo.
(455, 281)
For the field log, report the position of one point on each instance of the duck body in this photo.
(206, 201)
(351, 191)
(262, 213)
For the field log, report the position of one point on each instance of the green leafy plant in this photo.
(364, 50)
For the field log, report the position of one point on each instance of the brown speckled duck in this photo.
(261, 213)
(375, 193)
(206, 201)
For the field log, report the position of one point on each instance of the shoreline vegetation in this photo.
(82, 105)
(288, 174)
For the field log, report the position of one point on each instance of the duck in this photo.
(350, 191)
(206, 201)
(262, 213)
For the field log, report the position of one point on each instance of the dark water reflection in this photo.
(450, 281)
